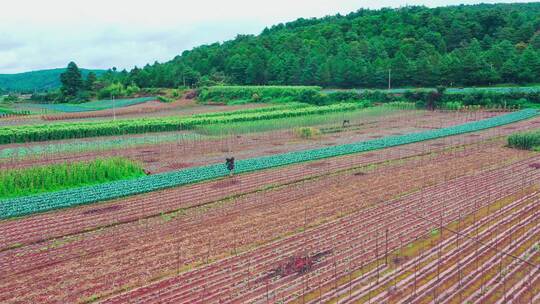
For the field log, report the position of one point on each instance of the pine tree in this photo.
(72, 81)
(90, 80)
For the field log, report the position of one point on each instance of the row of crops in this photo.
(93, 105)
(287, 106)
(94, 145)
(254, 93)
(9, 112)
(86, 195)
(24, 181)
(31, 133)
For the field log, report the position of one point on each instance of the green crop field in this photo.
(300, 121)
(40, 179)
(272, 167)
(21, 134)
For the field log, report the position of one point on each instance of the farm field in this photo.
(160, 153)
(295, 233)
(91, 105)
(138, 110)
(361, 153)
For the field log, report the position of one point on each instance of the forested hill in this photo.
(459, 45)
(41, 80)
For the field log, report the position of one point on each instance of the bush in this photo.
(132, 89)
(118, 90)
(165, 99)
(525, 140)
(114, 89)
(82, 96)
(11, 98)
(341, 96)
(307, 132)
(49, 97)
(453, 105)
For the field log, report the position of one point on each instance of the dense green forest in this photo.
(42, 80)
(451, 46)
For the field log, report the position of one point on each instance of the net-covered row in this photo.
(86, 195)
(94, 105)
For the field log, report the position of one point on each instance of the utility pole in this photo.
(389, 79)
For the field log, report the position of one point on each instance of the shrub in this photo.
(11, 98)
(132, 89)
(165, 99)
(453, 105)
(341, 96)
(118, 90)
(525, 140)
(114, 89)
(307, 132)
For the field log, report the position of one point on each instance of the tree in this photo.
(529, 65)
(535, 41)
(72, 81)
(90, 80)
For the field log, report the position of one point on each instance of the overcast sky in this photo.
(39, 34)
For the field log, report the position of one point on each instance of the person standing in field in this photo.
(229, 162)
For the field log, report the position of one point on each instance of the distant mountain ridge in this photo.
(41, 80)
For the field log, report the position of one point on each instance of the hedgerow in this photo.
(257, 93)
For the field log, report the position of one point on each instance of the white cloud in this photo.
(37, 34)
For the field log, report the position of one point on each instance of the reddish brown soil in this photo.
(135, 253)
(160, 157)
(156, 108)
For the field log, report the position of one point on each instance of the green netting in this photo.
(94, 105)
(86, 195)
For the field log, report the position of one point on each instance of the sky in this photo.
(100, 34)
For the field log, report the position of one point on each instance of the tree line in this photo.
(452, 46)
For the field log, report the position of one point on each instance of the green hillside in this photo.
(42, 80)
(466, 45)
